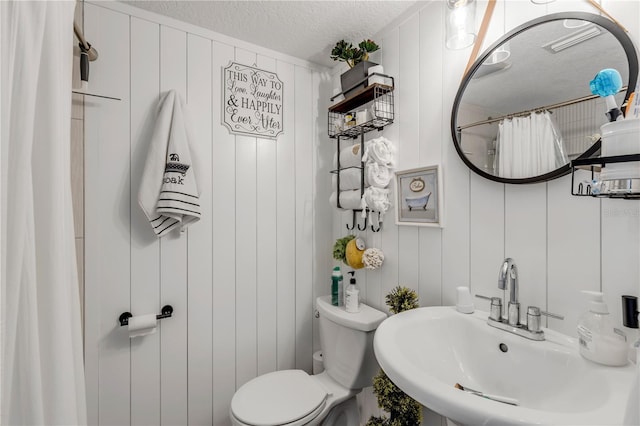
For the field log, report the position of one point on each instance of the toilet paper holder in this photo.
(167, 311)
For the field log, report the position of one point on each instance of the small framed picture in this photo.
(419, 197)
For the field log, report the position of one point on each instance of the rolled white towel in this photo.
(379, 150)
(375, 199)
(374, 175)
(349, 200)
(349, 179)
(377, 175)
(349, 157)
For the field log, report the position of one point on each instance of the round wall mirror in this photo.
(525, 109)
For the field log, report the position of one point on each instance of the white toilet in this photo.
(293, 397)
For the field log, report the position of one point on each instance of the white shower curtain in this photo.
(42, 375)
(529, 146)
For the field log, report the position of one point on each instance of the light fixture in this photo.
(460, 23)
(486, 69)
(574, 23)
(499, 55)
(572, 39)
(542, 1)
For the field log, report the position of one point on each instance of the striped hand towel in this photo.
(169, 194)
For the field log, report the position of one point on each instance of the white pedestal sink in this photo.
(426, 351)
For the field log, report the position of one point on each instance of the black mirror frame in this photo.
(612, 27)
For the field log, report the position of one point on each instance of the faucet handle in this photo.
(533, 318)
(496, 307)
(534, 310)
(534, 315)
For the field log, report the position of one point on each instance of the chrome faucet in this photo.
(508, 280)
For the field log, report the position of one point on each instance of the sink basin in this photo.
(426, 351)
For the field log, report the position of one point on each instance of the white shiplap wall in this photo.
(561, 244)
(241, 280)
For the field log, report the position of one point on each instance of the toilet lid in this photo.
(277, 398)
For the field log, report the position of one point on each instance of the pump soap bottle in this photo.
(598, 340)
(336, 287)
(351, 301)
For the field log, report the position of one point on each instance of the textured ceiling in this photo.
(304, 29)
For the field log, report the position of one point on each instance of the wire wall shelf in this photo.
(626, 188)
(369, 109)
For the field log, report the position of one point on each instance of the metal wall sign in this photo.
(252, 101)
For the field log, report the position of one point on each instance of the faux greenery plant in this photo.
(403, 410)
(401, 299)
(346, 52)
(340, 248)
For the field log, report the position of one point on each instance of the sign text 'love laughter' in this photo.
(252, 101)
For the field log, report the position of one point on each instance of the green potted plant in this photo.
(403, 410)
(357, 58)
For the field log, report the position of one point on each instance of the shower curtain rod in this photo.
(523, 113)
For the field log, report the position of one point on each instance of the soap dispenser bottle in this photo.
(351, 300)
(336, 287)
(598, 340)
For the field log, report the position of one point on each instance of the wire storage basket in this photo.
(369, 109)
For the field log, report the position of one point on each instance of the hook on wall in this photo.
(365, 225)
(354, 222)
(379, 225)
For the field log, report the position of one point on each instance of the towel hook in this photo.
(353, 221)
(379, 225)
(365, 224)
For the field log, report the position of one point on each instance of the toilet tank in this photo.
(346, 340)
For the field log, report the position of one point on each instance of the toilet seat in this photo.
(288, 397)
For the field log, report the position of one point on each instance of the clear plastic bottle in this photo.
(598, 340)
(336, 287)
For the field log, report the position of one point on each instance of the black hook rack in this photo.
(166, 312)
(354, 222)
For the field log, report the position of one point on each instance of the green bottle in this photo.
(336, 286)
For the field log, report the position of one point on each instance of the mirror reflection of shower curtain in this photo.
(528, 146)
